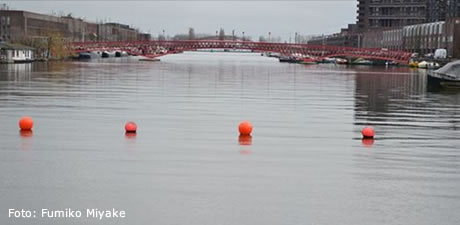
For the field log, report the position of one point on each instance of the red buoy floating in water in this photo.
(245, 128)
(130, 127)
(26, 123)
(368, 133)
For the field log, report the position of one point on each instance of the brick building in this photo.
(16, 25)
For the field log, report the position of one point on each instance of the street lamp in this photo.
(269, 36)
(243, 36)
(295, 38)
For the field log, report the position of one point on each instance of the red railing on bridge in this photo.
(154, 48)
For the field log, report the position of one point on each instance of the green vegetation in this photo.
(52, 46)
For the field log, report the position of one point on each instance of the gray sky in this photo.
(282, 18)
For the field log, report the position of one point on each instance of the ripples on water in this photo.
(305, 164)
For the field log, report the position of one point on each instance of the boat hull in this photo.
(84, 56)
(290, 60)
(105, 55)
(439, 80)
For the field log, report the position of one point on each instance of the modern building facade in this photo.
(390, 13)
(419, 26)
(453, 8)
(441, 10)
(397, 13)
(418, 38)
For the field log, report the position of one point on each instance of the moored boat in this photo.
(428, 65)
(289, 59)
(309, 61)
(413, 64)
(105, 54)
(328, 60)
(147, 59)
(84, 55)
(273, 55)
(361, 61)
(448, 75)
(341, 61)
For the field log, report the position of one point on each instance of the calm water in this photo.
(305, 164)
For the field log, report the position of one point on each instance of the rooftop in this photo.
(10, 46)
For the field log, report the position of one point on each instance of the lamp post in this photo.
(295, 38)
(269, 36)
(243, 36)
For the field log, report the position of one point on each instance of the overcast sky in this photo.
(282, 18)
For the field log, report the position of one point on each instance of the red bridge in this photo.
(158, 48)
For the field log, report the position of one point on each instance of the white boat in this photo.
(428, 65)
(422, 64)
(448, 75)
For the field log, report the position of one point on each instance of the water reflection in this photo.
(368, 142)
(401, 100)
(25, 133)
(130, 135)
(26, 137)
(310, 157)
(245, 140)
(417, 129)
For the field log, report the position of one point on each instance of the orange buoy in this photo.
(368, 132)
(245, 128)
(130, 127)
(26, 123)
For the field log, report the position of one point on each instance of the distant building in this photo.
(336, 40)
(453, 8)
(441, 10)
(348, 37)
(420, 38)
(18, 25)
(116, 32)
(390, 13)
(144, 37)
(10, 53)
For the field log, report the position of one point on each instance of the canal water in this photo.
(305, 164)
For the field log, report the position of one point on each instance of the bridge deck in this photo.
(155, 48)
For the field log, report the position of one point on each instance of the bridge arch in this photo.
(155, 48)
